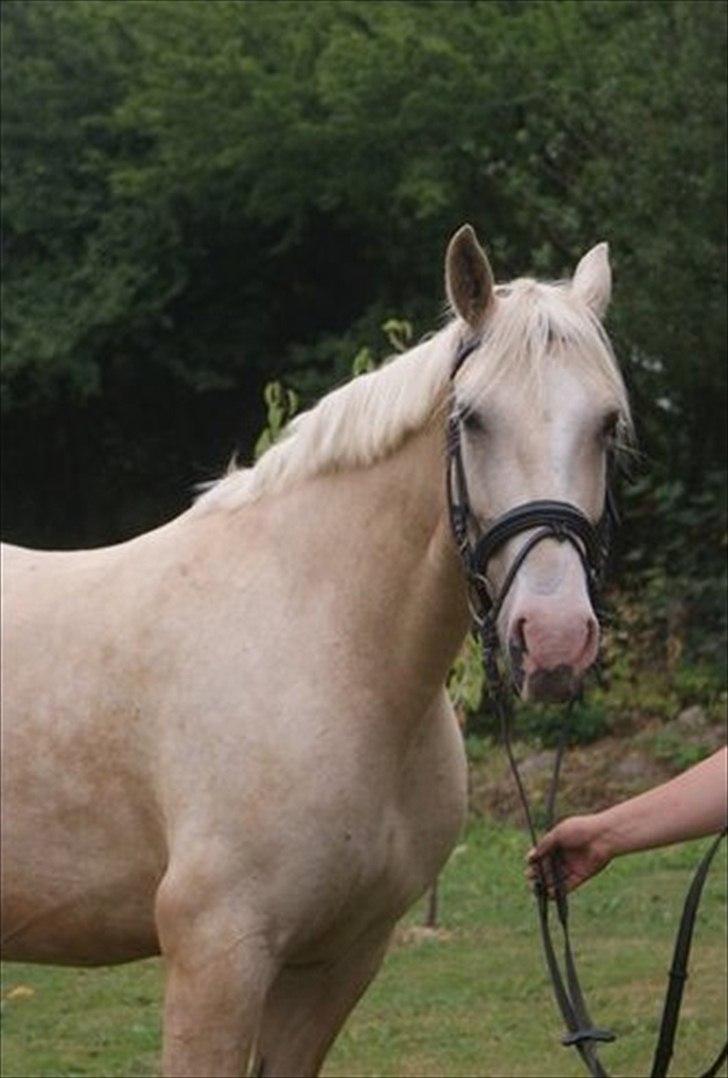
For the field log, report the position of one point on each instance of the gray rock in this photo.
(631, 766)
(692, 719)
(539, 761)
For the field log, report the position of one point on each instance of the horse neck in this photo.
(376, 541)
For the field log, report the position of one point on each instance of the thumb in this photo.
(544, 846)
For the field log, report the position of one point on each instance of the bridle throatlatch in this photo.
(565, 523)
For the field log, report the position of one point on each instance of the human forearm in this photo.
(691, 805)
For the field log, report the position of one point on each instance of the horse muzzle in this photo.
(550, 651)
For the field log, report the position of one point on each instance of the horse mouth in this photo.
(556, 686)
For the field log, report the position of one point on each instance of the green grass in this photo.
(471, 1000)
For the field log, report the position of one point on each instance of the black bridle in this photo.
(477, 546)
(551, 519)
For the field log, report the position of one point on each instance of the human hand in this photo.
(582, 847)
(691, 805)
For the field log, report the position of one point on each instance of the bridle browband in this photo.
(565, 523)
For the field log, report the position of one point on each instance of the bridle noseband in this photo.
(565, 523)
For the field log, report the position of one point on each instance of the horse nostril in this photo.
(547, 636)
(517, 646)
(592, 639)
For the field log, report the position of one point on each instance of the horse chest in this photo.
(375, 844)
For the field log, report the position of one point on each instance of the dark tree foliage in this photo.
(199, 197)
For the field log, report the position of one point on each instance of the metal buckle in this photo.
(580, 1035)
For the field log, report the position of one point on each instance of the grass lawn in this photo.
(472, 999)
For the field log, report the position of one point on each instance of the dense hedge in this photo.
(198, 197)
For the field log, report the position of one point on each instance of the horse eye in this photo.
(472, 421)
(609, 426)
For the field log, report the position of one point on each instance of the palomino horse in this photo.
(228, 740)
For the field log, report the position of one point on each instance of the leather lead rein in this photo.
(566, 523)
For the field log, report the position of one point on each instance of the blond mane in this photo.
(371, 416)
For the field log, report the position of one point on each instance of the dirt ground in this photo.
(597, 775)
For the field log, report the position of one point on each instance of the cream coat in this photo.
(229, 741)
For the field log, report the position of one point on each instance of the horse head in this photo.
(538, 403)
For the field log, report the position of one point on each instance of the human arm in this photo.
(691, 805)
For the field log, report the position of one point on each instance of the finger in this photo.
(536, 883)
(542, 847)
(541, 879)
(549, 886)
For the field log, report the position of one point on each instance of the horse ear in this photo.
(468, 277)
(592, 281)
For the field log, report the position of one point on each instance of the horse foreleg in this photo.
(219, 969)
(307, 1006)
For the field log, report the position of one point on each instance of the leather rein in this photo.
(476, 547)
